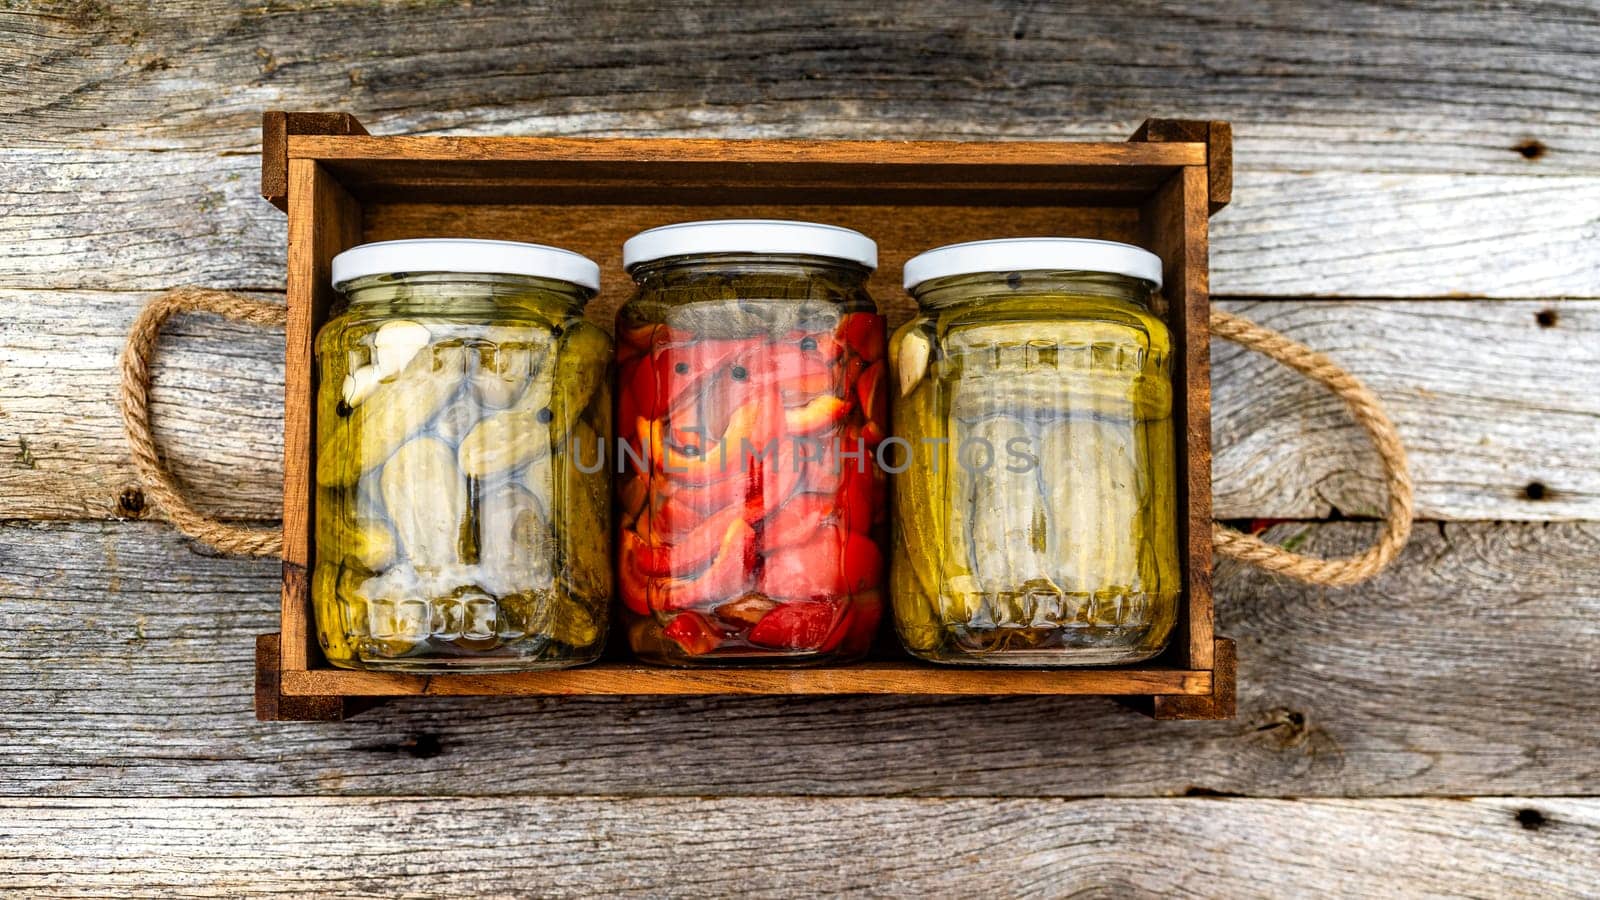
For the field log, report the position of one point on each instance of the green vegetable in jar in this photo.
(368, 432)
(441, 409)
(1036, 523)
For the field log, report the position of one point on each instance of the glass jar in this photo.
(462, 505)
(750, 401)
(1035, 512)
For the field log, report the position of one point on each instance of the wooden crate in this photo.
(342, 187)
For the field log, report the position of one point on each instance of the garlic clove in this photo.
(360, 384)
(396, 342)
(912, 361)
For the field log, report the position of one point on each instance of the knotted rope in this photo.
(1370, 415)
(160, 485)
(135, 401)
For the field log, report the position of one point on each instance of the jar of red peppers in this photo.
(751, 400)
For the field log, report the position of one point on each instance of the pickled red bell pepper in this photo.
(801, 625)
(752, 536)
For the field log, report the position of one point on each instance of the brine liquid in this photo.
(460, 521)
(751, 514)
(1035, 524)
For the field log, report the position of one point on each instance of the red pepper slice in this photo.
(837, 562)
(803, 573)
(862, 565)
(780, 474)
(693, 366)
(864, 333)
(872, 390)
(867, 610)
(694, 633)
(726, 577)
(638, 554)
(800, 625)
(797, 522)
(695, 550)
(856, 498)
(633, 584)
(823, 412)
(814, 570)
(715, 460)
(644, 386)
(841, 629)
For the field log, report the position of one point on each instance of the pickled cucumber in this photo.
(367, 434)
(426, 496)
(440, 471)
(1073, 550)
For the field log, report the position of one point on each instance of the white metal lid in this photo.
(1033, 255)
(750, 236)
(466, 256)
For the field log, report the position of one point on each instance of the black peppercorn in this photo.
(681, 368)
(738, 373)
(344, 409)
(808, 344)
(544, 416)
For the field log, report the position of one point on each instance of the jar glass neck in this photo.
(676, 270)
(455, 292)
(978, 287)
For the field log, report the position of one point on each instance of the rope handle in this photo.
(160, 485)
(135, 402)
(1370, 415)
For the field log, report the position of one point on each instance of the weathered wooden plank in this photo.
(1504, 846)
(1452, 86)
(1488, 399)
(1498, 405)
(126, 662)
(118, 220)
(217, 409)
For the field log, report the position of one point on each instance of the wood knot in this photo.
(1286, 726)
(1531, 149)
(1547, 318)
(1535, 490)
(131, 503)
(419, 746)
(1531, 819)
(1197, 791)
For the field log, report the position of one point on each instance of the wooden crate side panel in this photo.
(901, 232)
(633, 679)
(323, 219)
(807, 159)
(1175, 221)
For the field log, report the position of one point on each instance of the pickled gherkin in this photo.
(1035, 523)
(444, 538)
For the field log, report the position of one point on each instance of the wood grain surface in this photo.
(1417, 192)
(379, 846)
(115, 219)
(1450, 86)
(1468, 669)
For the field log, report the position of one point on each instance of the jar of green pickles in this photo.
(1035, 503)
(462, 505)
